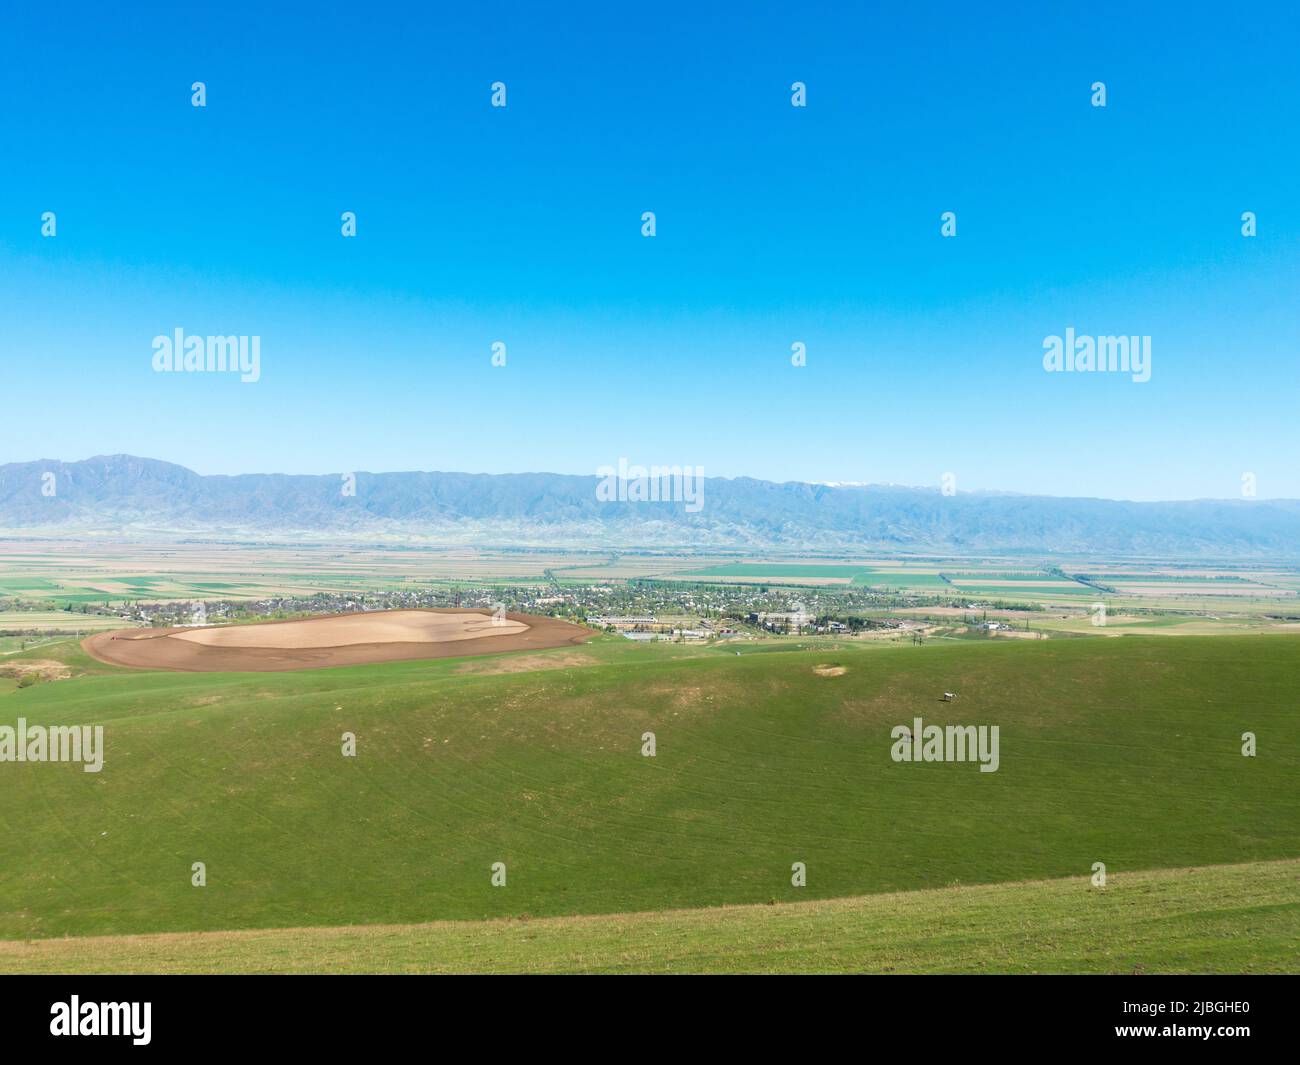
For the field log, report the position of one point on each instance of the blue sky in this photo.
(775, 225)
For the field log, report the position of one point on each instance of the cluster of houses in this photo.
(797, 623)
(647, 627)
(620, 621)
(668, 635)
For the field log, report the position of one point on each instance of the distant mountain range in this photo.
(125, 495)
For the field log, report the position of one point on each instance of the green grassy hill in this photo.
(1220, 919)
(1126, 751)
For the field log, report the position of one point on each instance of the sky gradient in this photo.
(775, 225)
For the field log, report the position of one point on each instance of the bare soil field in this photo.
(338, 640)
(41, 668)
(528, 664)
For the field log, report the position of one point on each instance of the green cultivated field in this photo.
(57, 621)
(761, 570)
(1125, 751)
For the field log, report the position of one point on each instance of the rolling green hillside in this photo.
(1126, 751)
(1220, 919)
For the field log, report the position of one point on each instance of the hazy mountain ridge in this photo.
(123, 494)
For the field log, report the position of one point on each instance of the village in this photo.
(641, 611)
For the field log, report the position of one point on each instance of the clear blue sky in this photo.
(775, 225)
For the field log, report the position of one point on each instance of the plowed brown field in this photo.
(337, 640)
